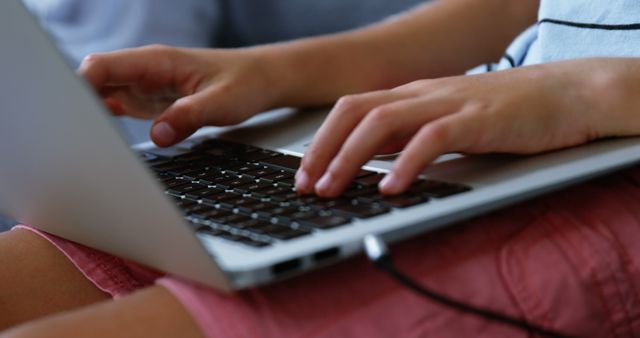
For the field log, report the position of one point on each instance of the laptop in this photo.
(219, 208)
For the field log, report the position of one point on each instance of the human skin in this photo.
(522, 111)
(187, 89)
(43, 295)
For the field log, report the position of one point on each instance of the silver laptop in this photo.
(219, 208)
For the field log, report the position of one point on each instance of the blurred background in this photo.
(81, 27)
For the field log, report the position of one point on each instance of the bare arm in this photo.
(185, 89)
(442, 38)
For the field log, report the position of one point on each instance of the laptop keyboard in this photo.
(246, 194)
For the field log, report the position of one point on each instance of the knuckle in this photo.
(383, 116)
(437, 133)
(477, 106)
(348, 103)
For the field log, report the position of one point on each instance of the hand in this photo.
(182, 89)
(523, 111)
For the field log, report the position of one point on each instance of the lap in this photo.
(569, 260)
(151, 312)
(37, 280)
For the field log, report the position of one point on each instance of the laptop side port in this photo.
(326, 255)
(286, 267)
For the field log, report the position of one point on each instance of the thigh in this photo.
(37, 280)
(152, 312)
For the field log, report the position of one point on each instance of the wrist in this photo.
(317, 71)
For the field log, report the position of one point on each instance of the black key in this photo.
(285, 196)
(274, 191)
(205, 193)
(362, 192)
(268, 229)
(184, 203)
(277, 212)
(181, 190)
(240, 169)
(278, 176)
(198, 210)
(242, 202)
(188, 175)
(303, 215)
(258, 207)
(326, 222)
(227, 198)
(437, 189)
(257, 173)
(174, 182)
(403, 201)
(370, 181)
(236, 182)
(259, 185)
(216, 215)
(331, 203)
(287, 182)
(286, 162)
(362, 210)
(213, 162)
(306, 200)
(216, 178)
(251, 224)
(235, 218)
(370, 199)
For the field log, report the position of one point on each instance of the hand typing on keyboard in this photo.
(514, 111)
(246, 194)
(182, 89)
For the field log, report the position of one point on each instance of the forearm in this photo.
(443, 38)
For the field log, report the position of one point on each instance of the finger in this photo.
(188, 114)
(127, 66)
(344, 117)
(114, 106)
(395, 120)
(447, 134)
(141, 106)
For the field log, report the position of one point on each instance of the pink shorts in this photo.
(569, 261)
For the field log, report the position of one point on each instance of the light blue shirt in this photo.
(570, 29)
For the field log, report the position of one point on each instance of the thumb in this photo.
(183, 118)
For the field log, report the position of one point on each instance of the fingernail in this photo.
(325, 184)
(163, 134)
(389, 183)
(302, 181)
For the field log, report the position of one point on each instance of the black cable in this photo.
(379, 254)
